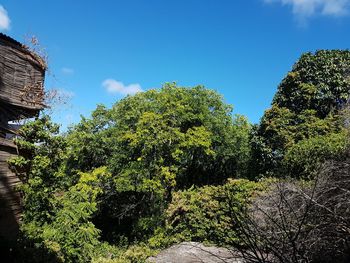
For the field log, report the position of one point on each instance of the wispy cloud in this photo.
(113, 86)
(67, 71)
(304, 9)
(4, 19)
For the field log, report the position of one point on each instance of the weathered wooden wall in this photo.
(10, 201)
(21, 96)
(21, 79)
(22, 76)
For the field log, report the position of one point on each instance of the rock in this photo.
(192, 252)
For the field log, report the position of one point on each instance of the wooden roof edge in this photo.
(24, 105)
(14, 43)
(7, 142)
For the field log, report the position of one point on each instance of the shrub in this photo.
(71, 235)
(132, 254)
(305, 157)
(203, 214)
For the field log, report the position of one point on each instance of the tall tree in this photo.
(307, 104)
(155, 142)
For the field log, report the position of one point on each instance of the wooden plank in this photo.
(10, 199)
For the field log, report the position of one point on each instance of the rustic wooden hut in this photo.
(22, 75)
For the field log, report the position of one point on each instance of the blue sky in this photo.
(99, 51)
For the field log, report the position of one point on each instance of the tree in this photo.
(59, 202)
(174, 136)
(39, 166)
(318, 81)
(155, 142)
(185, 136)
(307, 104)
(71, 235)
(89, 141)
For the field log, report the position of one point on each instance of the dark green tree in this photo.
(319, 81)
(308, 104)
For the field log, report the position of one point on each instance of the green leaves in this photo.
(158, 141)
(186, 131)
(318, 81)
(39, 167)
(70, 233)
(308, 155)
(307, 105)
(174, 127)
(203, 214)
(113, 175)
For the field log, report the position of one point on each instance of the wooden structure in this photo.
(21, 96)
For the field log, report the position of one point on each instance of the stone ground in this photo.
(193, 252)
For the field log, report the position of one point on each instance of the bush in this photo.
(305, 157)
(132, 254)
(71, 235)
(204, 214)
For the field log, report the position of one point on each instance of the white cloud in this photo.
(307, 8)
(339, 7)
(4, 19)
(67, 71)
(113, 86)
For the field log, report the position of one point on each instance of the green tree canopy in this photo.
(319, 81)
(154, 143)
(308, 104)
(170, 137)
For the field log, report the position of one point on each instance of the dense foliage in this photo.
(39, 167)
(174, 137)
(173, 164)
(204, 214)
(154, 143)
(307, 104)
(319, 81)
(112, 176)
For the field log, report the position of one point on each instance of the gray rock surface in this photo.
(193, 252)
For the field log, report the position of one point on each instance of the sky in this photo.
(101, 51)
